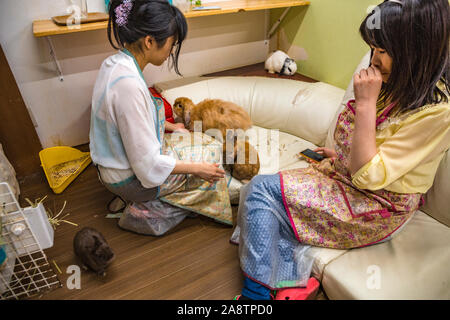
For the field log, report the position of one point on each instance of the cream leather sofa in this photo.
(415, 264)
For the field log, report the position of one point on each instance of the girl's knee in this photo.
(260, 180)
(265, 185)
(257, 180)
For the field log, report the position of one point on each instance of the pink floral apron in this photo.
(325, 208)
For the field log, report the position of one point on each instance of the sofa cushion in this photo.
(299, 108)
(413, 265)
(306, 110)
(277, 151)
(437, 199)
(323, 257)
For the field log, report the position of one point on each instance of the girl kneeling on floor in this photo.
(127, 123)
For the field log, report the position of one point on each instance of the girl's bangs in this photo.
(372, 36)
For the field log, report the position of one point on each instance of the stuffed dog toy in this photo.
(280, 62)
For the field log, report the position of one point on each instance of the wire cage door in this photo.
(24, 268)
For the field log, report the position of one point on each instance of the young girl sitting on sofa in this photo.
(388, 144)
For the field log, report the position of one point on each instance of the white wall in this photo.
(61, 110)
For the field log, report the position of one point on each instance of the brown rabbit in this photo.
(221, 115)
(214, 114)
(91, 248)
(242, 170)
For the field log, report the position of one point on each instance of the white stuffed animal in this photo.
(280, 62)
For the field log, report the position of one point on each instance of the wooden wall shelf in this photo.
(45, 28)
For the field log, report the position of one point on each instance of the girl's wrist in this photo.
(365, 113)
(186, 167)
(365, 105)
(195, 166)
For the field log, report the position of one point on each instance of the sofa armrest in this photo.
(406, 267)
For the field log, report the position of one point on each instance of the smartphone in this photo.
(311, 155)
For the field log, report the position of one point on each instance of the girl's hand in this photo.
(210, 172)
(177, 127)
(367, 86)
(182, 130)
(327, 153)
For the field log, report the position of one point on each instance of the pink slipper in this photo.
(308, 293)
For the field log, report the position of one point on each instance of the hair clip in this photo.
(397, 1)
(122, 12)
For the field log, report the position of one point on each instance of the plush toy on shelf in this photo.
(281, 63)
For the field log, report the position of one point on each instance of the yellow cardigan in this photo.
(410, 148)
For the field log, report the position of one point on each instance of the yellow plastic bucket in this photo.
(62, 165)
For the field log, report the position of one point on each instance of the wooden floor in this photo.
(193, 261)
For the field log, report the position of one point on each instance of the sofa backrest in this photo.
(437, 199)
(303, 109)
(349, 95)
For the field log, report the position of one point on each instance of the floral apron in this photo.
(325, 208)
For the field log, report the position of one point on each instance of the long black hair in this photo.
(415, 34)
(156, 18)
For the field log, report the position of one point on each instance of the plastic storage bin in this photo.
(62, 165)
(23, 239)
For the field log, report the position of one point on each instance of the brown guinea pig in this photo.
(91, 248)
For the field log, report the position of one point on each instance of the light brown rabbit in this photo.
(242, 170)
(221, 115)
(214, 114)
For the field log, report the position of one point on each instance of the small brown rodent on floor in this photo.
(91, 248)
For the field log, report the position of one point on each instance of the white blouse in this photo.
(123, 134)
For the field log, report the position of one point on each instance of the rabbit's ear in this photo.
(187, 119)
(230, 153)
